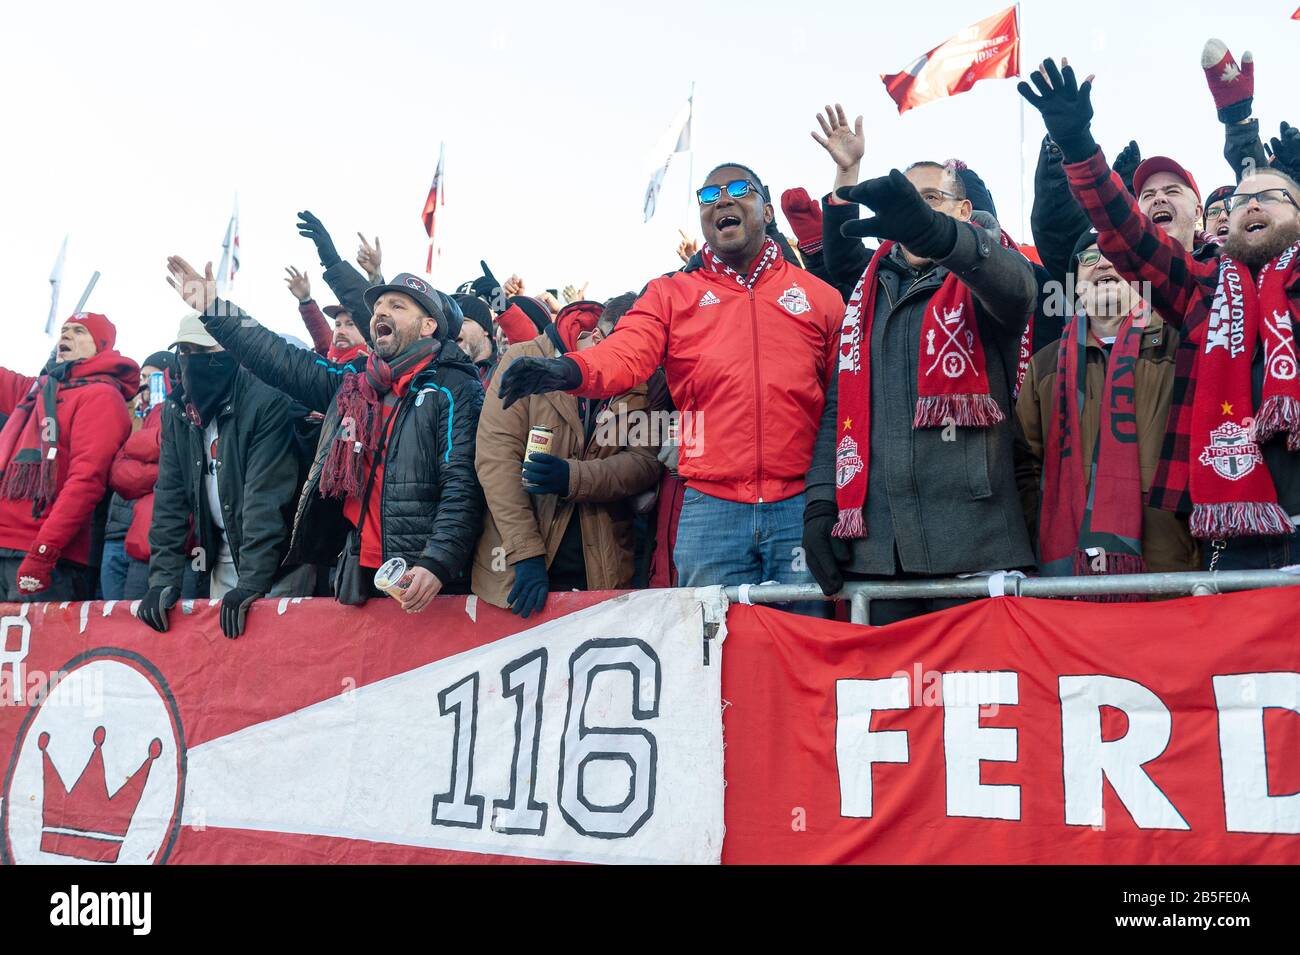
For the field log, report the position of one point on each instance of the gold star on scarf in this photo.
(1227, 408)
(848, 423)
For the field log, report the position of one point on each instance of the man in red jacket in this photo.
(55, 451)
(747, 341)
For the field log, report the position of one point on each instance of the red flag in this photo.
(1296, 15)
(435, 198)
(989, 49)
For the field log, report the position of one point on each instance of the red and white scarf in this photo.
(1091, 514)
(952, 382)
(1232, 492)
(768, 256)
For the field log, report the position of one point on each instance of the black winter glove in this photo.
(900, 214)
(1126, 163)
(528, 595)
(535, 376)
(1286, 150)
(1066, 107)
(823, 552)
(154, 606)
(234, 610)
(546, 474)
(314, 229)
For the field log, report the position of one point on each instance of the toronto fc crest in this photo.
(847, 461)
(1232, 451)
(794, 300)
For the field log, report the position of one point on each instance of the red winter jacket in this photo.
(751, 366)
(93, 422)
(133, 475)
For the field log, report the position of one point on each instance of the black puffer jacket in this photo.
(258, 476)
(431, 501)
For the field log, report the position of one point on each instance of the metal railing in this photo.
(861, 593)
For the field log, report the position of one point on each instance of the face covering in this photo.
(207, 377)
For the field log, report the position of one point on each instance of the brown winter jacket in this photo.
(603, 477)
(1166, 544)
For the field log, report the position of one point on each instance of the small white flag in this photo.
(676, 140)
(229, 253)
(56, 284)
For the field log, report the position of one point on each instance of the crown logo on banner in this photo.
(84, 822)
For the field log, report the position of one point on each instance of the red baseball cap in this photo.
(1149, 167)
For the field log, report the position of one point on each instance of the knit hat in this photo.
(1218, 195)
(981, 199)
(537, 313)
(101, 329)
(164, 361)
(1085, 241)
(475, 309)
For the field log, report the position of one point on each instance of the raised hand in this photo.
(198, 291)
(514, 286)
(370, 258)
(844, 143)
(298, 284)
(1127, 162)
(1232, 86)
(1286, 150)
(687, 247)
(901, 215)
(314, 229)
(572, 294)
(1066, 107)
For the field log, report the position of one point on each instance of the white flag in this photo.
(229, 253)
(677, 139)
(56, 284)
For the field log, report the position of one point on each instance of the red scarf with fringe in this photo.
(360, 427)
(29, 442)
(952, 382)
(1232, 492)
(1091, 514)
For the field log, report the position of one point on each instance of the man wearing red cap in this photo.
(1167, 195)
(63, 429)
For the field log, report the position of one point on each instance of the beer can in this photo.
(539, 439)
(157, 389)
(393, 578)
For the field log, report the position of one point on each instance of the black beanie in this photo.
(1085, 241)
(535, 310)
(476, 310)
(164, 361)
(981, 199)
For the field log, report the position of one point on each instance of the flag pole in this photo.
(690, 162)
(90, 287)
(56, 284)
(1024, 222)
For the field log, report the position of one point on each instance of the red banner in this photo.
(989, 49)
(1018, 731)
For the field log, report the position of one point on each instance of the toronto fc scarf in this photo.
(767, 257)
(29, 441)
(1232, 491)
(361, 417)
(952, 382)
(1091, 517)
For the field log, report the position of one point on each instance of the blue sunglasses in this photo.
(737, 189)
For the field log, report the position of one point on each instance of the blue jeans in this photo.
(112, 570)
(1254, 553)
(727, 543)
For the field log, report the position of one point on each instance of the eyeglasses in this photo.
(1266, 197)
(936, 196)
(1088, 257)
(1216, 210)
(737, 189)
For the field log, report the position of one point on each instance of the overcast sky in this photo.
(131, 127)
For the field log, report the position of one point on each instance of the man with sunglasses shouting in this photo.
(747, 341)
(1230, 455)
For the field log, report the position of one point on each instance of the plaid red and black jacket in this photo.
(1182, 288)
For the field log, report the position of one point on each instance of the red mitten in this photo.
(1232, 86)
(36, 572)
(805, 218)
